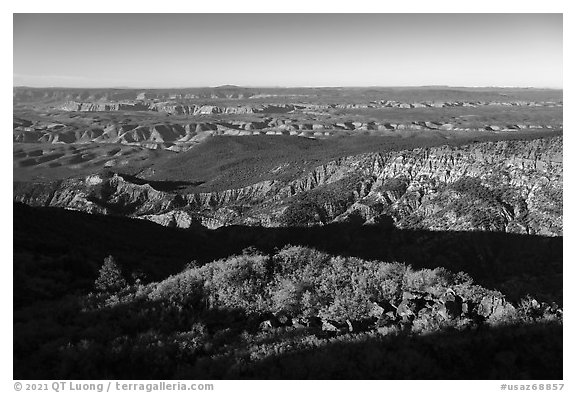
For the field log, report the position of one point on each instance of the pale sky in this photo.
(192, 50)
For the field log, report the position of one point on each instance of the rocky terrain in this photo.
(509, 186)
(258, 316)
(183, 136)
(317, 95)
(180, 120)
(175, 108)
(262, 233)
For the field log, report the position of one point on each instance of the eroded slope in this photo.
(511, 186)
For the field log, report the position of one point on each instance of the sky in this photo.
(197, 50)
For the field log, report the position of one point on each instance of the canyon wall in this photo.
(509, 186)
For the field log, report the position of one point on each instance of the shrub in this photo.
(181, 291)
(346, 288)
(310, 304)
(389, 277)
(395, 185)
(473, 187)
(110, 278)
(321, 204)
(238, 282)
(288, 295)
(299, 263)
(427, 280)
(301, 213)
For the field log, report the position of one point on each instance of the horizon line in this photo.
(294, 87)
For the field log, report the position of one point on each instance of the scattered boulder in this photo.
(452, 304)
(283, 319)
(405, 308)
(311, 322)
(270, 323)
(360, 325)
(333, 327)
(387, 319)
(297, 323)
(411, 303)
(428, 320)
(495, 308)
(376, 310)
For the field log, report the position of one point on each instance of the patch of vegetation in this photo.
(110, 278)
(321, 204)
(473, 187)
(238, 316)
(396, 185)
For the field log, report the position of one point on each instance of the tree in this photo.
(110, 278)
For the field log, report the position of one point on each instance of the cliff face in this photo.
(183, 136)
(353, 97)
(511, 186)
(174, 107)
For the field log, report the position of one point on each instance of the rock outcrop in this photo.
(181, 136)
(173, 107)
(509, 186)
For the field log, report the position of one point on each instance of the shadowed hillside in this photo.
(165, 310)
(49, 242)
